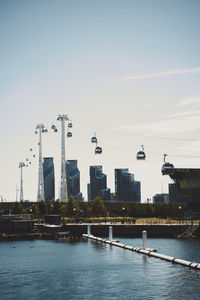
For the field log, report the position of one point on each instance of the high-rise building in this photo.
(126, 188)
(49, 179)
(73, 179)
(98, 184)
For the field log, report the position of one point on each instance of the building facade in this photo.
(126, 188)
(161, 198)
(175, 195)
(49, 179)
(98, 184)
(73, 179)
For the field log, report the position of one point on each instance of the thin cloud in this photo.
(189, 101)
(172, 125)
(161, 74)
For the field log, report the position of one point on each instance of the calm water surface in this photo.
(90, 270)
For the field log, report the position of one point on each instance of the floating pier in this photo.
(149, 252)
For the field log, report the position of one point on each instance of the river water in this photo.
(89, 270)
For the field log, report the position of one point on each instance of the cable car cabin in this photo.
(55, 130)
(44, 130)
(98, 150)
(69, 134)
(167, 169)
(53, 126)
(94, 139)
(70, 125)
(141, 155)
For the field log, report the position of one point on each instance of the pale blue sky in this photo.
(86, 59)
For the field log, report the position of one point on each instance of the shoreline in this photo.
(102, 230)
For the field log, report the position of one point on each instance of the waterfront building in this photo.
(98, 184)
(126, 188)
(175, 194)
(49, 179)
(161, 198)
(73, 179)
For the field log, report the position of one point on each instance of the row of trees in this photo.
(97, 208)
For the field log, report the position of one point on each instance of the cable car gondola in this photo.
(94, 139)
(98, 150)
(141, 154)
(69, 134)
(55, 130)
(70, 125)
(167, 168)
(53, 126)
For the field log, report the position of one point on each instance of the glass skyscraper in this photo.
(126, 188)
(98, 184)
(49, 179)
(73, 179)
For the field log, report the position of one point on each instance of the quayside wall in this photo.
(160, 231)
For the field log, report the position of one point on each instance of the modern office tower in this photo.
(175, 195)
(126, 188)
(98, 184)
(73, 179)
(137, 190)
(49, 179)
(105, 194)
(88, 192)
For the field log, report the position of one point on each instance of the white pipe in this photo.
(144, 239)
(88, 229)
(110, 233)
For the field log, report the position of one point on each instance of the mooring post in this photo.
(144, 239)
(110, 233)
(88, 229)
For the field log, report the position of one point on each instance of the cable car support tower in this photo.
(21, 165)
(63, 185)
(40, 194)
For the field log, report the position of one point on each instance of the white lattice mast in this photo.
(21, 165)
(63, 184)
(40, 194)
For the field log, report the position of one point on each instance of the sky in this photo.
(128, 70)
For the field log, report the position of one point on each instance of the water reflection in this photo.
(93, 270)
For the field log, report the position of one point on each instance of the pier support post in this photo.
(88, 229)
(110, 233)
(144, 239)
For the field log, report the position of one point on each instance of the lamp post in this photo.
(180, 212)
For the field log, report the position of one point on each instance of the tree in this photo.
(73, 208)
(98, 208)
(18, 208)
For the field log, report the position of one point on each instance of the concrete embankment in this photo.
(131, 230)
